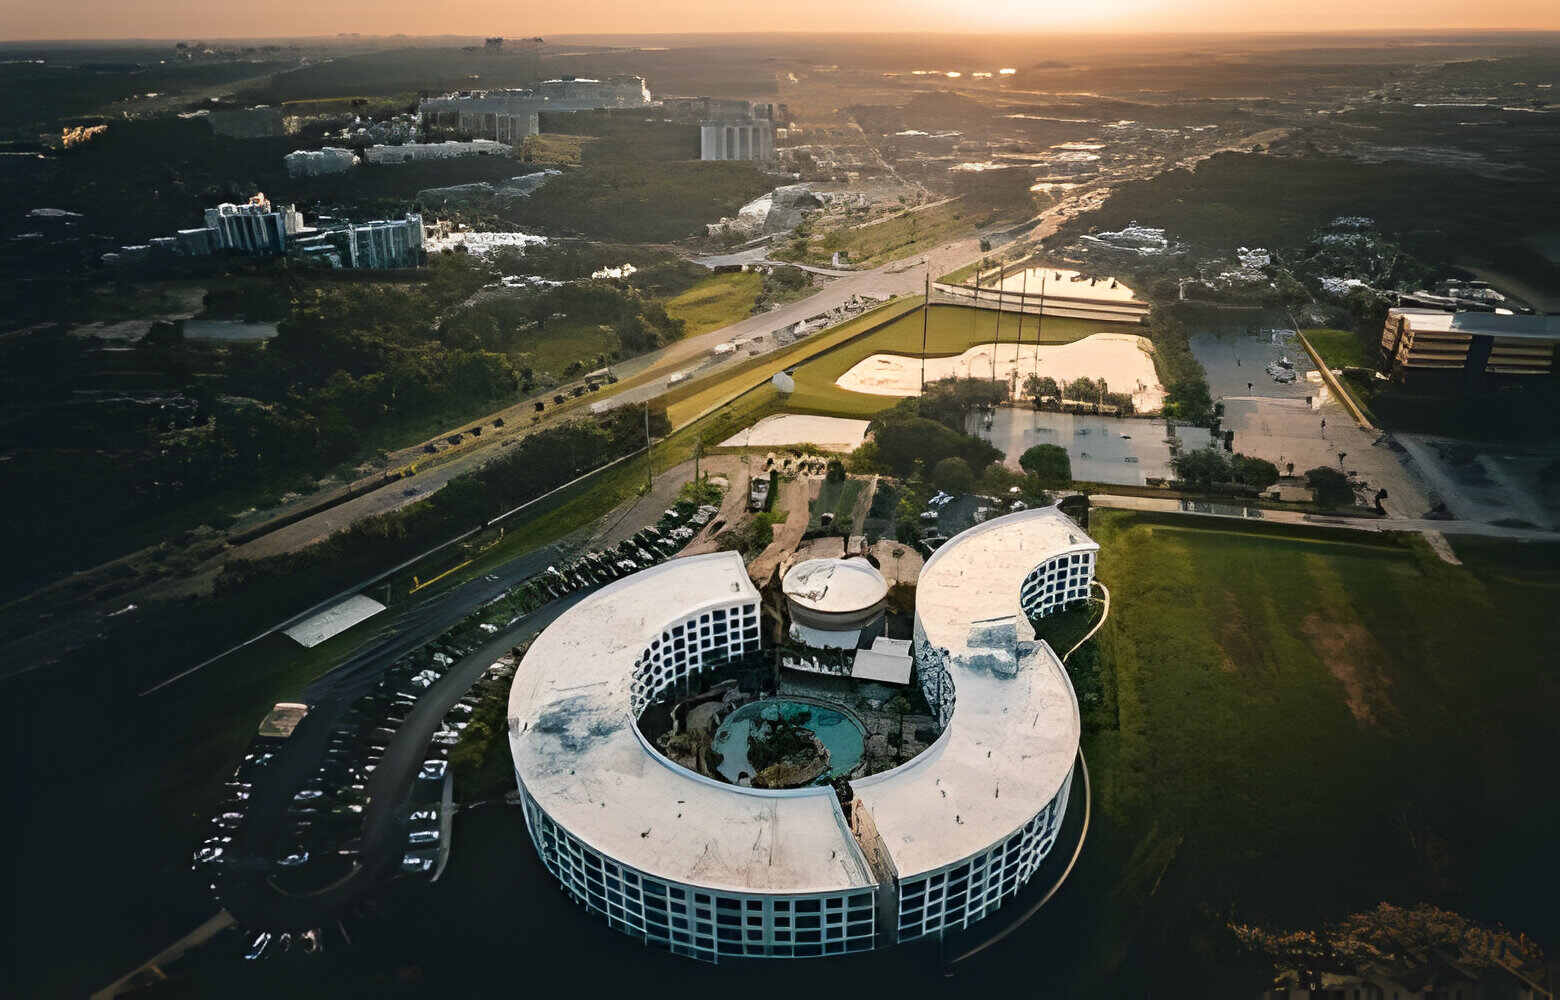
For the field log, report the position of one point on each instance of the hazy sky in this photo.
(35, 19)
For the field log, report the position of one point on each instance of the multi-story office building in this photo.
(709, 869)
(386, 243)
(737, 139)
(1468, 348)
(253, 227)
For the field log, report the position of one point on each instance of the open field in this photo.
(951, 330)
(872, 243)
(717, 301)
(1341, 348)
(1307, 726)
(686, 402)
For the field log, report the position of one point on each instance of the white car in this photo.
(413, 863)
(433, 770)
(258, 947)
(423, 837)
(425, 816)
(294, 859)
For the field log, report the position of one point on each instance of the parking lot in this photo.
(1102, 449)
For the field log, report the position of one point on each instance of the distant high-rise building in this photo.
(253, 227)
(737, 139)
(386, 243)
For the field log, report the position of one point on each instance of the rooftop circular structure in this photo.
(835, 586)
(711, 869)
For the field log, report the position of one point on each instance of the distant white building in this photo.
(435, 151)
(511, 115)
(386, 243)
(737, 139)
(314, 162)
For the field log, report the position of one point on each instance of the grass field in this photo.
(717, 301)
(1307, 726)
(874, 243)
(951, 330)
(1341, 348)
(562, 341)
(687, 402)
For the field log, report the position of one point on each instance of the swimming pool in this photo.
(839, 732)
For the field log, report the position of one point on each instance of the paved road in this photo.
(1166, 505)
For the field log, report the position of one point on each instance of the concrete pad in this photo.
(1124, 360)
(1102, 449)
(334, 620)
(780, 429)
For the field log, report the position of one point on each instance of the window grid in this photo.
(701, 923)
(962, 893)
(1056, 583)
(690, 645)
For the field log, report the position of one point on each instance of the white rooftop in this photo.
(876, 665)
(834, 585)
(334, 620)
(576, 751)
(1012, 739)
(1488, 324)
(1007, 750)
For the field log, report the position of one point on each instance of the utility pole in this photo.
(1018, 348)
(649, 462)
(1040, 319)
(698, 446)
(998, 334)
(926, 303)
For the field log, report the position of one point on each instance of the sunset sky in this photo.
(43, 19)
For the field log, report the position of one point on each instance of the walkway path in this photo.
(1168, 505)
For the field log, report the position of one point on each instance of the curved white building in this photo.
(709, 869)
(835, 602)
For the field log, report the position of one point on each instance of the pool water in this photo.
(840, 733)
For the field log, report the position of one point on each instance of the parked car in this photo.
(258, 947)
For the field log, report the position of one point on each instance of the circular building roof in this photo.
(1005, 753)
(834, 586)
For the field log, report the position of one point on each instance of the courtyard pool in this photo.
(840, 733)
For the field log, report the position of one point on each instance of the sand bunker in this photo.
(833, 433)
(1125, 361)
(1061, 282)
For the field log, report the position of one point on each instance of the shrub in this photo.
(1331, 487)
(1048, 463)
(953, 475)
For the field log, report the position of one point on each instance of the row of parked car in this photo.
(647, 547)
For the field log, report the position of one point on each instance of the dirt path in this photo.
(799, 494)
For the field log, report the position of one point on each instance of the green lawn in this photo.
(562, 341)
(950, 330)
(1341, 348)
(837, 498)
(1305, 726)
(717, 301)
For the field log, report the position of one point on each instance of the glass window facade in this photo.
(703, 923)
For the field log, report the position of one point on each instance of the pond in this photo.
(839, 732)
